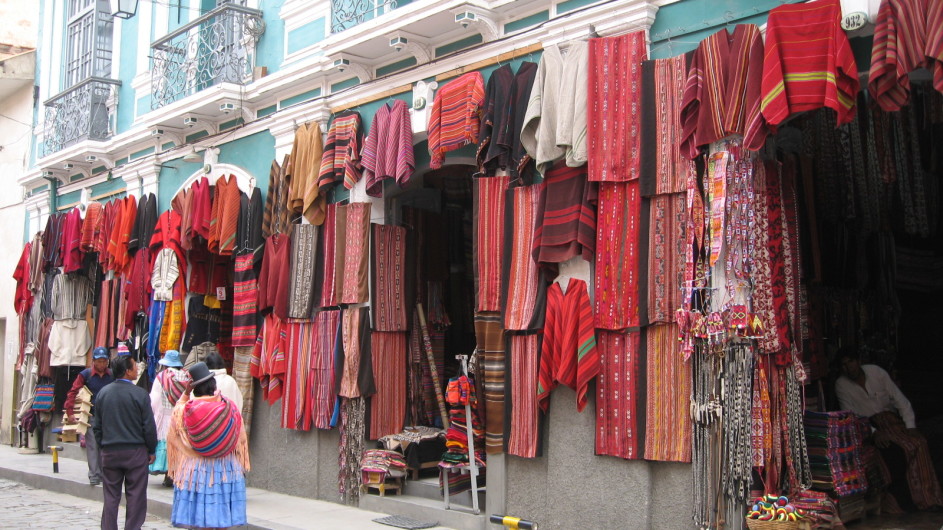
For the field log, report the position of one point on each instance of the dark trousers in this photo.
(127, 467)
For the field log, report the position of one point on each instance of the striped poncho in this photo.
(808, 63)
(456, 116)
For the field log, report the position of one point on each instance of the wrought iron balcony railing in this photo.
(218, 47)
(83, 112)
(346, 14)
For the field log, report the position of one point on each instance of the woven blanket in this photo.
(212, 426)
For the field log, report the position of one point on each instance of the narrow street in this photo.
(28, 507)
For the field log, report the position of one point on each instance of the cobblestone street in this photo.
(26, 507)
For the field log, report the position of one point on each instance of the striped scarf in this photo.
(212, 426)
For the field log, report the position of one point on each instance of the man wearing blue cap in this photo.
(95, 378)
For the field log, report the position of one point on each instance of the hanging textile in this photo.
(388, 151)
(325, 265)
(908, 35)
(299, 350)
(171, 330)
(490, 200)
(276, 215)
(353, 375)
(566, 222)
(249, 238)
(225, 216)
(70, 242)
(201, 212)
(350, 449)
(241, 373)
(489, 334)
(274, 277)
(666, 251)
(524, 435)
(525, 288)
(668, 397)
(388, 405)
(808, 63)
(505, 102)
(341, 160)
(722, 93)
(615, 92)
(303, 168)
(92, 226)
(454, 120)
(617, 259)
(356, 253)
(569, 355)
(617, 407)
(144, 223)
(268, 359)
(664, 167)
(555, 119)
(245, 302)
(304, 242)
(389, 278)
(321, 393)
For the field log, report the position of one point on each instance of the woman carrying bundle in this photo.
(169, 385)
(208, 455)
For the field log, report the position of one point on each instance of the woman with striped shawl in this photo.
(207, 456)
(169, 385)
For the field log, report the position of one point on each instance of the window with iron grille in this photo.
(88, 41)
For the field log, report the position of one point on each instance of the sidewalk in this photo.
(265, 509)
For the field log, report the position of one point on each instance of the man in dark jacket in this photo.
(125, 431)
(95, 379)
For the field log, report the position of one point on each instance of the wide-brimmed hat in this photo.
(199, 373)
(171, 358)
(100, 352)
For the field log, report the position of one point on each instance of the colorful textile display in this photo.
(617, 259)
(456, 437)
(808, 63)
(524, 435)
(352, 430)
(268, 359)
(341, 159)
(617, 394)
(389, 278)
(321, 394)
(356, 253)
(388, 151)
(566, 221)
(213, 426)
(525, 287)
(666, 251)
(664, 167)
(505, 102)
(299, 351)
(722, 93)
(489, 332)
(304, 242)
(224, 217)
(490, 202)
(274, 276)
(615, 93)
(388, 405)
(353, 371)
(568, 355)
(668, 397)
(276, 214)
(455, 117)
(908, 35)
(245, 302)
(242, 373)
(325, 262)
(834, 455)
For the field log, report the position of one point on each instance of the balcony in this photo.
(218, 47)
(83, 112)
(346, 14)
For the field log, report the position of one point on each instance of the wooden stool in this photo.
(382, 481)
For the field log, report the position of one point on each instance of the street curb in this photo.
(83, 490)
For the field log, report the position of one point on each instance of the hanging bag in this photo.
(43, 400)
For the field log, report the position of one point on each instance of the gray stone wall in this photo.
(570, 487)
(291, 462)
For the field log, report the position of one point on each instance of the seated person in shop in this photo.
(867, 390)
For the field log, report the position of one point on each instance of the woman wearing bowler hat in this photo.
(171, 382)
(208, 456)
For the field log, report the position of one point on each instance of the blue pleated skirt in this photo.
(220, 505)
(160, 459)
